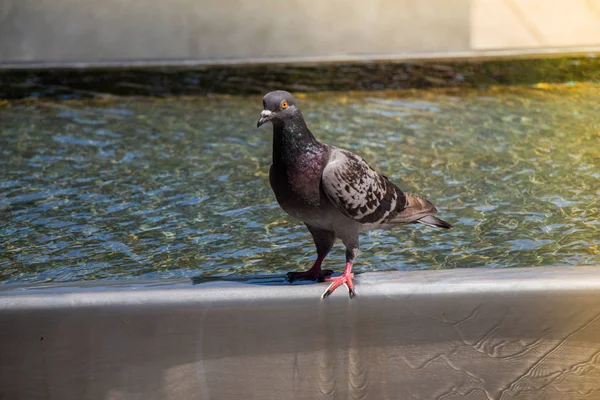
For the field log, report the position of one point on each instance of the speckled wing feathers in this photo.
(358, 191)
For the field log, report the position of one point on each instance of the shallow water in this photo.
(146, 187)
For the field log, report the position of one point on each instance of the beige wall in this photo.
(505, 24)
(91, 31)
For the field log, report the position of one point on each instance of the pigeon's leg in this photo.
(324, 242)
(346, 278)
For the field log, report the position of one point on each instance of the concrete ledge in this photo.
(459, 334)
(407, 57)
(260, 79)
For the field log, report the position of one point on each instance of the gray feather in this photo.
(358, 191)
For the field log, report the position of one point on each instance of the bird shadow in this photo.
(263, 280)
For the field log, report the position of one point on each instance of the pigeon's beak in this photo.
(265, 116)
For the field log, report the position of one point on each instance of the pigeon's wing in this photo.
(358, 191)
(365, 196)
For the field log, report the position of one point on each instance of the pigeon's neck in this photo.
(292, 140)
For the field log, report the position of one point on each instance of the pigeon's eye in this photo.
(284, 104)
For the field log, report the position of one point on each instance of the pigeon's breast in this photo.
(298, 192)
(298, 185)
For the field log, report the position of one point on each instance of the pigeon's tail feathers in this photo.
(419, 210)
(416, 208)
(435, 222)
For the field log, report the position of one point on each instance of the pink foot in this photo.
(345, 279)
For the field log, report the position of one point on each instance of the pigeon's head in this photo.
(277, 106)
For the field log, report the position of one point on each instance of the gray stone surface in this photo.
(530, 333)
(69, 30)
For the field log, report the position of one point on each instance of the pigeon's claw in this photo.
(345, 279)
(311, 275)
(351, 293)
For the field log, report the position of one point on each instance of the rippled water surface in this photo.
(145, 187)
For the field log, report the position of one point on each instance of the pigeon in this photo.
(333, 191)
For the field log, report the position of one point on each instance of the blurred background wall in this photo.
(94, 31)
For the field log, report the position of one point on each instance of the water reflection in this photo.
(178, 187)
